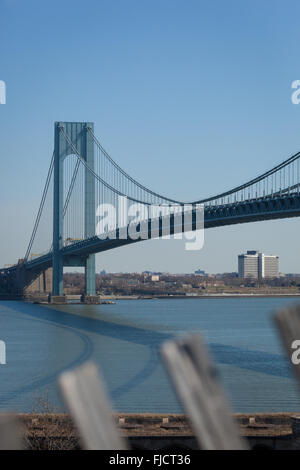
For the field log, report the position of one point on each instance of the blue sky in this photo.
(190, 97)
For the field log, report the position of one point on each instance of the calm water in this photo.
(124, 340)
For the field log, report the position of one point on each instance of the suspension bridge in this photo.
(83, 177)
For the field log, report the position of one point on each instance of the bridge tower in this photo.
(78, 133)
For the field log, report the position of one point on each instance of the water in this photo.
(124, 340)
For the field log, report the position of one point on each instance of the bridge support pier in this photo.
(58, 220)
(90, 276)
(57, 276)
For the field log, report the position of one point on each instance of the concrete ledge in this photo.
(90, 299)
(57, 299)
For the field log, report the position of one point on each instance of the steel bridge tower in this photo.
(78, 133)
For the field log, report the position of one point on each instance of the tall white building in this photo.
(269, 265)
(248, 264)
(258, 265)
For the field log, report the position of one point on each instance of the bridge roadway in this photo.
(267, 208)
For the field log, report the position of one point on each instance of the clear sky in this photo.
(191, 97)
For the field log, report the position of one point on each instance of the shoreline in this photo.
(74, 299)
(207, 296)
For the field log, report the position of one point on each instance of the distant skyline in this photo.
(190, 98)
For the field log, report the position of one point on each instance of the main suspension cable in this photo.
(101, 180)
(255, 180)
(132, 180)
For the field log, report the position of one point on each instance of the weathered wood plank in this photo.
(10, 433)
(288, 323)
(195, 378)
(85, 396)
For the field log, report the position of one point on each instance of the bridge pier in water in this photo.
(80, 140)
(90, 276)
